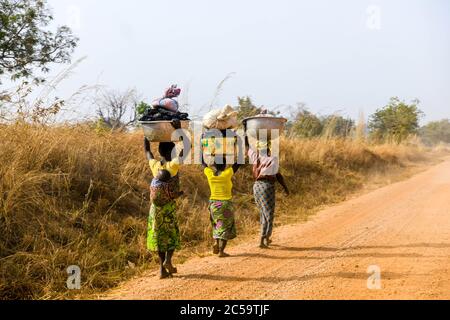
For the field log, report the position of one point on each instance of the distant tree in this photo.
(396, 121)
(435, 132)
(117, 109)
(25, 42)
(141, 108)
(337, 126)
(305, 123)
(247, 109)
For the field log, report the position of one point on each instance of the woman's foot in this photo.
(263, 244)
(170, 268)
(216, 249)
(165, 274)
(222, 246)
(223, 255)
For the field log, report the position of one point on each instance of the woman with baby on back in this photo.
(163, 233)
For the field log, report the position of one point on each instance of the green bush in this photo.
(396, 121)
(436, 132)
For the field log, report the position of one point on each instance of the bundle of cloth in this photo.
(163, 115)
(221, 119)
(225, 120)
(166, 108)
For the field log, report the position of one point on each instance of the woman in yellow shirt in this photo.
(221, 206)
(163, 235)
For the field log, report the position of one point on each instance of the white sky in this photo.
(332, 55)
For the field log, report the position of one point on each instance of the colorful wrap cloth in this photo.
(264, 192)
(163, 192)
(163, 233)
(222, 219)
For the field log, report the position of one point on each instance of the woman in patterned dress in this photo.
(266, 174)
(221, 206)
(163, 234)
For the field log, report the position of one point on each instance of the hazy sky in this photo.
(346, 56)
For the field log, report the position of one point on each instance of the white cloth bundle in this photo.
(221, 119)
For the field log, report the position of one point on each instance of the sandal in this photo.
(224, 255)
(171, 269)
(165, 275)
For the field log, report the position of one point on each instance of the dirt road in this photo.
(402, 229)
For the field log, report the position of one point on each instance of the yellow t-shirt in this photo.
(173, 167)
(221, 186)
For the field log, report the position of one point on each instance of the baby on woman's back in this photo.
(161, 192)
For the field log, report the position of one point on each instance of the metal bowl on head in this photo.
(161, 131)
(266, 124)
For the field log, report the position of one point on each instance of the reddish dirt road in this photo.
(403, 229)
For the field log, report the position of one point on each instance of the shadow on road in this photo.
(356, 255)
(331, 249)
(343, 275)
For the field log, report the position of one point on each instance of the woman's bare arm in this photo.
(148, 150)
(180, 149)
(204, 165)
(280, 179)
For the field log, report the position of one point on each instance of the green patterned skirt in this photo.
(163, 233)
(222, 219)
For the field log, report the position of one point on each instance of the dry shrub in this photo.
(74, 196)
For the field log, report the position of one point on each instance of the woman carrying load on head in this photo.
(220, 204)
(266, 174)
(163, 234)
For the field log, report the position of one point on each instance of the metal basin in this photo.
(161, 131)
(260, 126)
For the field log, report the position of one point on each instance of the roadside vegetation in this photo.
(74, 196)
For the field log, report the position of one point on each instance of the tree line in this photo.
(395, 122)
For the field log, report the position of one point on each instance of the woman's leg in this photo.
(264, 229)
(263, 244)
(216, 247)
(163, 272)
(223, 245)
(168, 262)
(270, 227)
(258, 192)
(265, 198)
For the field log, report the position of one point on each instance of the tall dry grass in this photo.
(73, 196)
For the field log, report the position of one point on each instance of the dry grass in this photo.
(71, 196)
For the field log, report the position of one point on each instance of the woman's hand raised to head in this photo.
(148, 149)
(176, 124)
